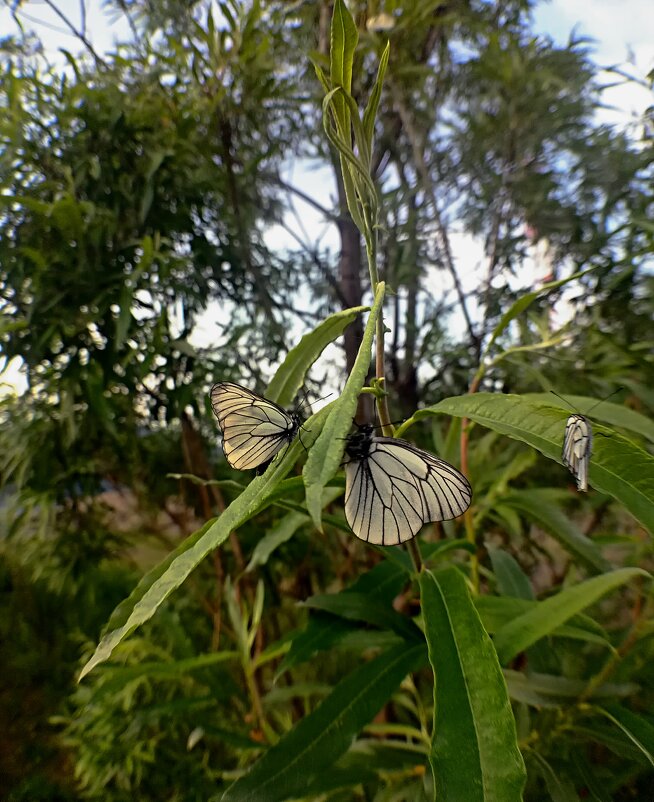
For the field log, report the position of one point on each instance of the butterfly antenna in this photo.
(565, 401)
(602, 400)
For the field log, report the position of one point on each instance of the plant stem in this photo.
(414, 553)
(467, 517)
(641, 618)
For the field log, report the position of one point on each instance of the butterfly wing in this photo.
(253, 428)
(395, 488)
(577, 447)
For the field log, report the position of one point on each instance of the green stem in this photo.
(642, 618)
(414, 553)
(255, 696)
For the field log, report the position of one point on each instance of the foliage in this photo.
(504, 656)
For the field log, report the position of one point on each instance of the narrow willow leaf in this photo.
(290, 375)
(537, 505)
(594, 782)
(323, 631)
(370, 112)
(525, 301)
(559, 786)
(618, 467)
(511, 581)
(639, 731)
(159, 583)
(360, 607)
(344, 38)
(549, 690)
(318, 740)
(475, 755)
(327, 453)
(280, 533)
(518, 634)
(614, 414)
(497, 611)
(285, 529)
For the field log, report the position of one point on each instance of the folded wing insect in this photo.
(392, 488)
(578, 442)
(254, 429)
(577, 448)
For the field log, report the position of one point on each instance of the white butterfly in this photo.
(577, 448)
(578, 442)
(254, 429)
(392, 488)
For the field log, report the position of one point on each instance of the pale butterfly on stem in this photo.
(392, 488)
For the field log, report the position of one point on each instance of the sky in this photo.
(622, 32)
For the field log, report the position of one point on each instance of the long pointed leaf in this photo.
(475, 755)
(319, 739)
(618, 467)
(159, 583)
(327, 453)
(290, 375)
(521, 632)
(614, 414)
(537, 505)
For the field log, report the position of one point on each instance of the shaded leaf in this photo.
(318, 740)
(518, 634)
(474, 754)
(618, 467)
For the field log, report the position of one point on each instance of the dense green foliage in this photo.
(174, 630)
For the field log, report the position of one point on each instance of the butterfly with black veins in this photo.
(392, 488)
(578, 441)
(577, 448)
(254, 429)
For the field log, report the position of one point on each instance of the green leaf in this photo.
(280, 533)
(594, 782)
(327, 453)
(159, 583)
(370, 112)
(497, 611)
(284, 530)
(475, 755)
(361, 607)
(290, 375)
(525, 301)
(614, 414)
(638, 729)
(549, 690)
(536, 503)
(618, 467)
(318, 740)
(518, 634)
(560, 787)
(344, 38)
(511, 581)
(323, 631)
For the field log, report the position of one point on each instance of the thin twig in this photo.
(76, 32)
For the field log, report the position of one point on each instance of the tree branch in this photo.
(76, 32)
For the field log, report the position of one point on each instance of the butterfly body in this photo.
(254, 429)
(577, 448)
(392, 488)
